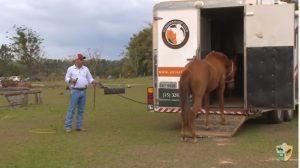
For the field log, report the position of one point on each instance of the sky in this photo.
(71, 26)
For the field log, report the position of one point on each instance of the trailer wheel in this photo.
(288, 115)
(275, 116)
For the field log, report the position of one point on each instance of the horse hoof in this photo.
(206, 127)
(195, 140)
(183, 139)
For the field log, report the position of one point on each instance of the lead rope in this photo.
(127, 98)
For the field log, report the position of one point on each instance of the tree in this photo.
(128, 69)
(6, 59)
(94, 55)
(6, 55)
(139, 53)
(26, 47)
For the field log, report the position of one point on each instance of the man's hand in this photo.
(97, 83)
(73, 81)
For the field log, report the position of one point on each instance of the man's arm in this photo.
(68, 76)
(90, 77)
(92, 80)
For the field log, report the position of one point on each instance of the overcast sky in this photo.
(70, 26)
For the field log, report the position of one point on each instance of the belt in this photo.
(81, 89)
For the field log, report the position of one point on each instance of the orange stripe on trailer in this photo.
(170, 71)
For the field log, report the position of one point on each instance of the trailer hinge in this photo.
(157, 18)
(249, 13)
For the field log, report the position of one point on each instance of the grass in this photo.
(122, 133)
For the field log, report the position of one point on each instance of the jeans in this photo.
(77, 99)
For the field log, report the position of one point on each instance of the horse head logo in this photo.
(175, 34)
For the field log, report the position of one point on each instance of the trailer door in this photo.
(176, 38)
(269, 59)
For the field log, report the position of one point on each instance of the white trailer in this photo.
(261, 35)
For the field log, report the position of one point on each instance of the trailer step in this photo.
(216, 129)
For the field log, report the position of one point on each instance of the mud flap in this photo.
(270, 77)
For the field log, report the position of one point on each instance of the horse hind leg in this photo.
(183, 131)
(184, 126)
(196, 109)
(221, 103)
(206, 106)
(193, 129)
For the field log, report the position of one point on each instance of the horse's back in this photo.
(218, 59)
(207, 73)
(216, 54)
(200, 75)
(197, 66)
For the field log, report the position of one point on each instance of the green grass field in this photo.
(122, 134)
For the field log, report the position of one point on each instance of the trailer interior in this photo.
(222, 29)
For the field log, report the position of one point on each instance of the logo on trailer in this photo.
(175, 34)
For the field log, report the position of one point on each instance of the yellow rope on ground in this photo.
(42, 131)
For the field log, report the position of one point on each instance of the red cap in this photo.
(79, 56)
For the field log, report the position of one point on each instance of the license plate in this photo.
(168, 93)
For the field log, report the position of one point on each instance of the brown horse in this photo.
(199, 78)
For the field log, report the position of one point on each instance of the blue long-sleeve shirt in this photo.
(83, 76)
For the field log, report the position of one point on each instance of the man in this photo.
(78, 77)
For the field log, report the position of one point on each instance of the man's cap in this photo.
(79, 56)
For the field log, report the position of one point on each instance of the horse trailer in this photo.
(261, 35)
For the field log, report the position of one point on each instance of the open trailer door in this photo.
(269, 56)
(175, 41)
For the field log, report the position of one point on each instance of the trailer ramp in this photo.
(216, 129)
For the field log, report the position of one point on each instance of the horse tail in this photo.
(185, 91)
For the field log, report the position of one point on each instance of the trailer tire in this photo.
(288, 115)
(275, 116)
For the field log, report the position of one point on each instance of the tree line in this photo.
(24, 56)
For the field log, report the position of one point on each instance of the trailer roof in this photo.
(171, 5)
